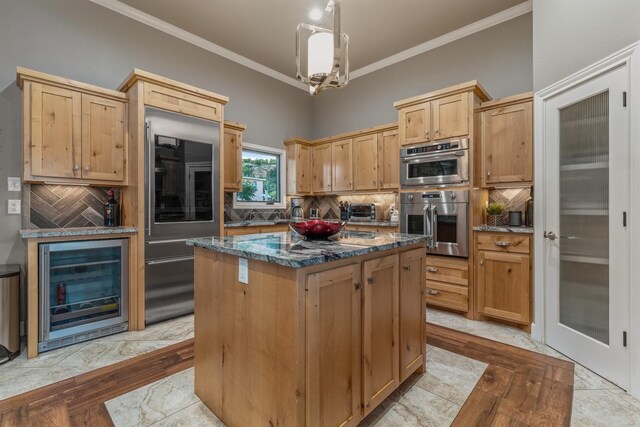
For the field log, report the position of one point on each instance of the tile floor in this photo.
(431, 400)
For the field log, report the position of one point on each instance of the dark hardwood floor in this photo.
(519, 387)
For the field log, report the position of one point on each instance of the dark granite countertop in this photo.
(258, 223)
(292, 250)
(38, 233)
(503, 229)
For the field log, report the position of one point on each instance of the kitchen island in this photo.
(306, 333)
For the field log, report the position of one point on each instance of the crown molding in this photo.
(152, 21)
(195, 40)
(483, 24)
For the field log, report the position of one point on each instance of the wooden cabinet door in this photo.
(412, 311)
(388, 160)
(334, 352)
(507, 141)
(303, 169)
(415, 124)
(103, 137)
(381, 373)
(232, 160)
(365, 163)
(56, 125)
(342, 165)
(451, 116)
(321, 165)
(503, 285)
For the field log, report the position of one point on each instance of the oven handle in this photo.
(169, 260)
(426, 224)
(452, 156)
(434, 220)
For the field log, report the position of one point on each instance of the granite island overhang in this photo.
(301, 332)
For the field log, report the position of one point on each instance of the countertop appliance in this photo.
(84, 289)
(362, 212)
(442, 216)
(435, 163)
(182, 166)
(297, 212)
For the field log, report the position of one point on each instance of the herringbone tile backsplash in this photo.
(514, 199)
(62, 206)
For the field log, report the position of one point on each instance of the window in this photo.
(263, 178)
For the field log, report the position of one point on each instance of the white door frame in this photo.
(629, 57)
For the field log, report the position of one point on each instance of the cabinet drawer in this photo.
(180, 102)
(448, 270)
(448, 296)
(503, 243)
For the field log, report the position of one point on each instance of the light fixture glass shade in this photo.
(320, 54)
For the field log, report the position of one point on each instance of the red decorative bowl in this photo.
(317, 229)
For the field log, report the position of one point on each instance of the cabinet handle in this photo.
(482, 262)
(436, 130)
(489, 173)
(503, 244)
(406, 268)
(432, 292)
(87, 168)
(426, 133)
(370, 280)
(76, 168)
(357, 285)
(432, 269)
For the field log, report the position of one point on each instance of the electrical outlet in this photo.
(13, 183)
(14, 207)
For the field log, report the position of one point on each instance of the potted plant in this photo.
(494, 211)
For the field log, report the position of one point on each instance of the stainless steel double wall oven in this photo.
(182, 165)
(437, 208)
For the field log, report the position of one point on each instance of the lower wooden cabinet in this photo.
(366, 321)
(334, 333)
(448, 282)
(381, 334)
(503, 277)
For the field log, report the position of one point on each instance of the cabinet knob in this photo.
(76, 168)
(370, 280)
(481, 262)
(357, 285)
(426, 132)
(87, 168)
(407, 268)
(488, 173)
(432, 292)
(436, 130)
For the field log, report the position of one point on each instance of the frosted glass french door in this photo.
(586, 190)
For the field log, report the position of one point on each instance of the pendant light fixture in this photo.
(322, 54)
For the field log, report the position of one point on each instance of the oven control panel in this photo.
(453, 145)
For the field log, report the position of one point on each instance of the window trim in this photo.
(283, 181)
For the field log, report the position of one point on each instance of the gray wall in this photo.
(500, 58)
(569, 35)
(86, 42)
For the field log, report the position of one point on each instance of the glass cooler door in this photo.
(83, 286)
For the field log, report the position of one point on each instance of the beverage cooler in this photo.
(83, 291)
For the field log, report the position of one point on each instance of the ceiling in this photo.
(264, 31)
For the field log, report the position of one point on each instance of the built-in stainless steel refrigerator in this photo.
(182, 169)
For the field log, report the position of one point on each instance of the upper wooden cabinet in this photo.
(73, 132)
(365, 149)
(322, 168)
(298, 167)
(365, 160)
(388, 160)
(233, 156)
(450, 116)
(438, 115)
(342, 165)
(414, 123)
(507, 141)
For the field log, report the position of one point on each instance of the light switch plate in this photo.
(14, 207)
(243, 270)
(13, 183)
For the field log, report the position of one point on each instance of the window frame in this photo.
(282, 180)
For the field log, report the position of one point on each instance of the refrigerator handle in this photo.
(148, 186)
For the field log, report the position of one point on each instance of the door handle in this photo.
(550, 235)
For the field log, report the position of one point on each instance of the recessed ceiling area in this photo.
(264, 31)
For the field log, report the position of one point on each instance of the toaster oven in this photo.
(362, 212)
